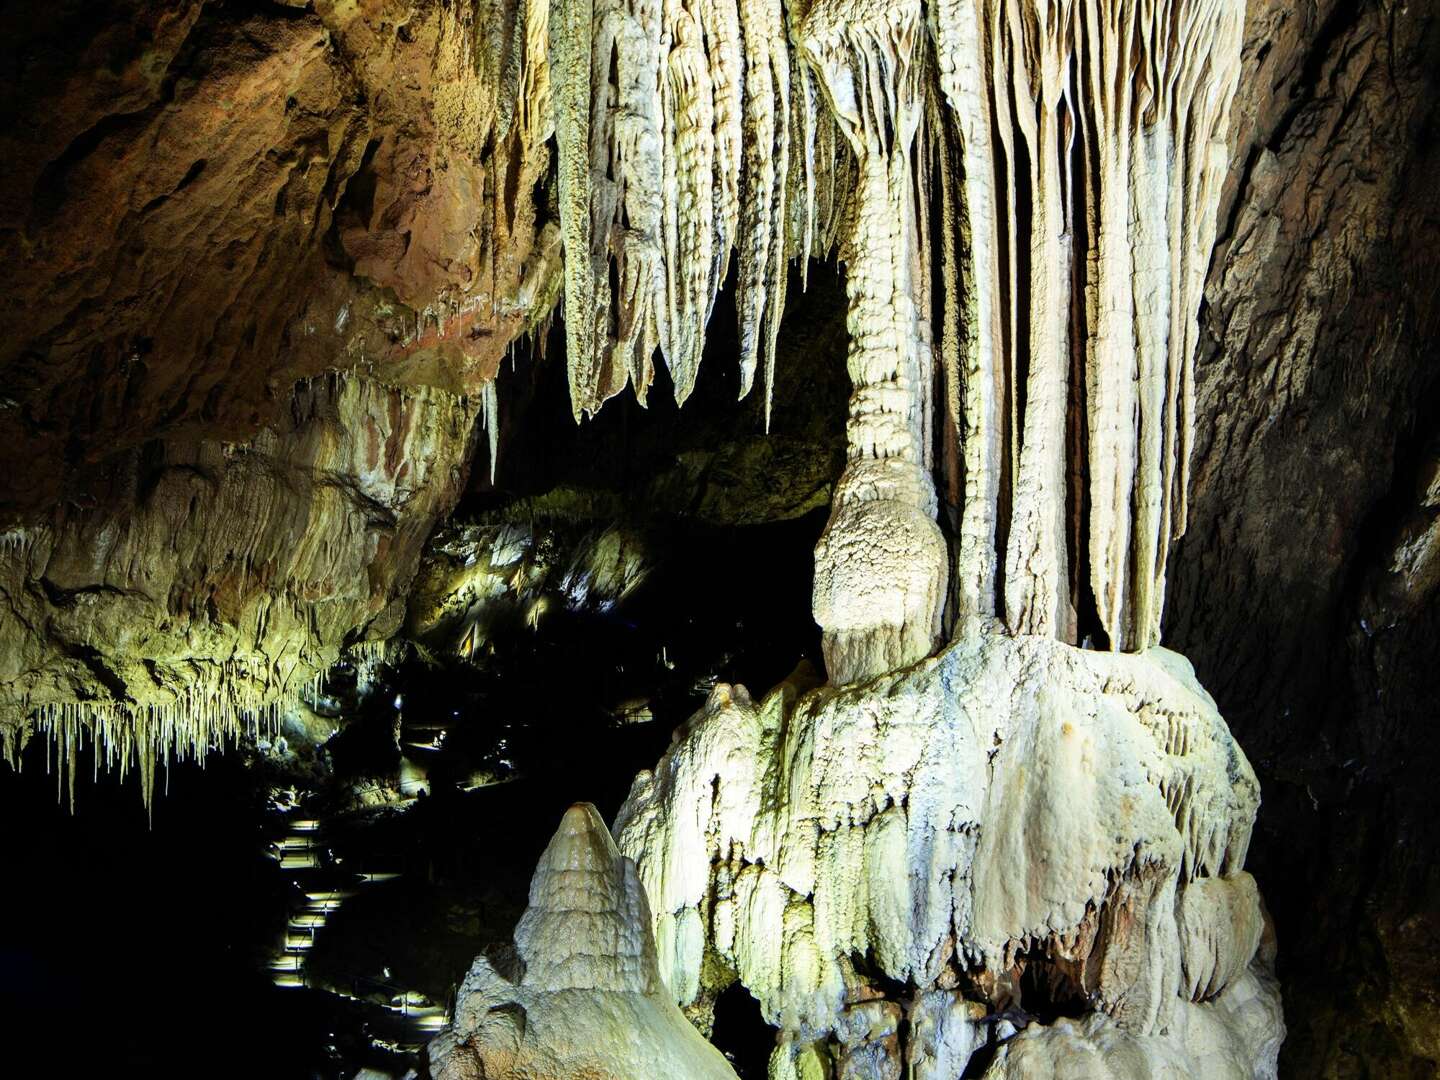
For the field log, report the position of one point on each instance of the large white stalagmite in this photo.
(880, 566)
(1014, 805)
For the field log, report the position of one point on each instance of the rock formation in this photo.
(880, 567)
(1015, 812)
(1020, 811)
(198, 518)
(233, 581)
(585, 998)
(266, 262)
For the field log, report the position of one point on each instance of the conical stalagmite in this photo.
(587, 998)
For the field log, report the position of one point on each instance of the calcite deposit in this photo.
(272, 260)
(264, 264)
(233, 580)
(1012, 820)
(582, 996)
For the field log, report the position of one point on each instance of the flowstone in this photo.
(1012, 828)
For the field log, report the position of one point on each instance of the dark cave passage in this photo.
(392, 851)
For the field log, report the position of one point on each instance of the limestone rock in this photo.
(1235, 1038)
(1013, 804)
(881, 564)
(235, 577)
(587, 999)
(206, 202)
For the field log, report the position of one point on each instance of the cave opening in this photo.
(741, 1033)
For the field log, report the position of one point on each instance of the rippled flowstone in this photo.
(586, 998)
(1011, 820)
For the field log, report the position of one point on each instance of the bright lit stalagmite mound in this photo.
(583, 997)
(1022, 855)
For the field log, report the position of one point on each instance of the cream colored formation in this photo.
(1015, 817)
(1075, 150)
(688, 139)
(1048, 816)
(240, 575)
(582, 997)
(1091, 139)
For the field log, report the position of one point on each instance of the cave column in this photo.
(881, 563)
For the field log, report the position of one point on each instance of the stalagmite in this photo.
(585, 997)
(880, 566)
(1014, 805)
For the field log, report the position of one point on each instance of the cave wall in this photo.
(1304, 590)
(263, 261)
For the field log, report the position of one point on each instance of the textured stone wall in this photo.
(1304, 590)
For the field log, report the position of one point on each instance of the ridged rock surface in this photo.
(585, 998)
(1010, 804)
(208, 206)
(235, 576)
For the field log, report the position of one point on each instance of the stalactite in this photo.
(689, 213)
(880, 565)
(1077, 211)
(490, 421)
(218, 708)
(689, 98)
(760, 293)
(1092, 135)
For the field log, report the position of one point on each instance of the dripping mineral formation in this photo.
(1018, 812)
(272, 260)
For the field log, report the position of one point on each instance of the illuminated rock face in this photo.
(272, 259)
(1082, 170)
(234, 581)
(587, 999)
(1013, 809)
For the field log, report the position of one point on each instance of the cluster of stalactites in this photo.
(232, 701)
(687, 135)
(143, 737)
(1082, 155)
(1078, 148)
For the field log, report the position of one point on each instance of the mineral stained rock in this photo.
(585, 998)
(234, 579)
(1015, 809)
(269, 259)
